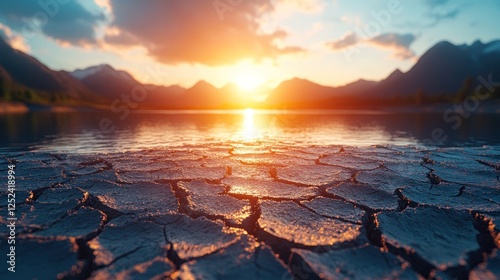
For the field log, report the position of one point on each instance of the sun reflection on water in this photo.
(80, 132)
(249, 129)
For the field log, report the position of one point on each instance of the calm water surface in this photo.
(89, 132)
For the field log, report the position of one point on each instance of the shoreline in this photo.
(490, 107)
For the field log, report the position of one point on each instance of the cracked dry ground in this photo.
(245, 211)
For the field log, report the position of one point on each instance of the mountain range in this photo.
(438, 75)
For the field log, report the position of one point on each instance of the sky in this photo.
(247, 42)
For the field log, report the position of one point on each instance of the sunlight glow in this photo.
(248, 80)
(249, 129)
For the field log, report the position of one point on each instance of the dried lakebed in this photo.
(244, 211)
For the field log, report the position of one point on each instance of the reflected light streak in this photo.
(249, 130)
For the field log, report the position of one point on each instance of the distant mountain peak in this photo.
(492, 47)
(442, 69)
(84, 73)
(105, 70)
(477, 43)
(444, 43)
(395, 74)
(203, 84)
(442, 46)
(297, 81)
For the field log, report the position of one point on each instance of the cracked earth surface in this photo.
(251, 211)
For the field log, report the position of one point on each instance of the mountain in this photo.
(300, 93)
(297, 91)
(355, 88)
(30, 80)
(396, 74)
(106, 81)
(4, 74)
(443, 69)
(115, 84)
(202, 95)
(81, 74)
(443, 73)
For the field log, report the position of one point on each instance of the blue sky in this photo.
(331, 42)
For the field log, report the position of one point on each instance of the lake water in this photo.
(90, 132)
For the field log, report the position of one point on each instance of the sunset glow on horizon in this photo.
(249, 43)
(250, 139)
(248, 82)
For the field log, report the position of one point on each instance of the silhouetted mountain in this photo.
(106, 81)
(27, 72)
(173, 90)
(4, 74)
(442, 70)
(113, 84)
(355, 88)
(162, 97)
(201, 95)
(298, 90)
(396, 74)
(297, 93)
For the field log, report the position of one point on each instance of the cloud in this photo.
(65, 21)
(398, 42)
(104, 4)
(348, 40)
(435, 2)
(439, 15)
(15, 41)
(305, 6)
(197, 31)
(394, 40)
(435, 12)
(439, 10)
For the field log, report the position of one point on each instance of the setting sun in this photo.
(248, 80)
(265, 139)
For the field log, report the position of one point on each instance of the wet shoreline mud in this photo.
(247, 211)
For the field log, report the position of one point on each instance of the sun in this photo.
(248, 80)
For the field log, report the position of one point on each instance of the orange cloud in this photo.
(15, 41)
(197, 31)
